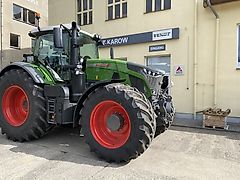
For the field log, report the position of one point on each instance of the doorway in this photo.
(162, 63)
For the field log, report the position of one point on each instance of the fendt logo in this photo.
(162, 35)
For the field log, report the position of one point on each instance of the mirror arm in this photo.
(65, 28)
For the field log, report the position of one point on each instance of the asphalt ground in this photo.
(180, 153)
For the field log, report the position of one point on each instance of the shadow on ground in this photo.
(61, 144)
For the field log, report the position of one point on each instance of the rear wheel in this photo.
(23, 113)
(117, 122)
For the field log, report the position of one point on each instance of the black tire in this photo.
(160, 129)
(139, 96)
(168, 117)
(35, 125)
(142, 120)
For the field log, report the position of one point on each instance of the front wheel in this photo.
(165, 114)
(117, 122)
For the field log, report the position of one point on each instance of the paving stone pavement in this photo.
(180, 153)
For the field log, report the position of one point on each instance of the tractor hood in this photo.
(144, 69)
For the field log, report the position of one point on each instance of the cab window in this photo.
(47, 53)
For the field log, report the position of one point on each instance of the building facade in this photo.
(17, 19)
(197, 46)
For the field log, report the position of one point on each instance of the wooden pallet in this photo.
(214, 122)
(215, 127)
(214, 118)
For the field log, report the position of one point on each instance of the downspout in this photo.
(195, 58)
(1, 34)
(216, 50)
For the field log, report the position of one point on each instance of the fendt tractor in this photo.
(119, 106)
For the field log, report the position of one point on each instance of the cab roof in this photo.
(45, 30)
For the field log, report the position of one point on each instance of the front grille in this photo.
(154, 80)
(153, 77)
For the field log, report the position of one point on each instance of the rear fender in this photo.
(36, 76)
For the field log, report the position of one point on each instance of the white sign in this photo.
(179, 70)
(33, 1)
(162, 35)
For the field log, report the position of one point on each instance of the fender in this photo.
(76, 115)
(26, 67)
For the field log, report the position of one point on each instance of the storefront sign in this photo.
(179, 70)
(160, 35)
(116, 41)
(161, 47)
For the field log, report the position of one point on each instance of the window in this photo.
(17, 12)
(239, 46)
(53, 56)
(85, 12)
(157, 5)
(14, 41)
(31, 17)
(160, 63)
(24, 15)
(116, 9)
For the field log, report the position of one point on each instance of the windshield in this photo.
(88, 47)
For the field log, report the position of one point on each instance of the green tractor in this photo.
(119, 106)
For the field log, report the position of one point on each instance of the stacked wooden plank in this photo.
(215, 118)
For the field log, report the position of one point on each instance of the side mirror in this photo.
(58, 37)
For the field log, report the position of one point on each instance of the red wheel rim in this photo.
(15, 105)
(100, 129)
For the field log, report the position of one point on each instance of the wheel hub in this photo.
(115, 122)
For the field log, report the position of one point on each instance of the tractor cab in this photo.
(46, 52)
